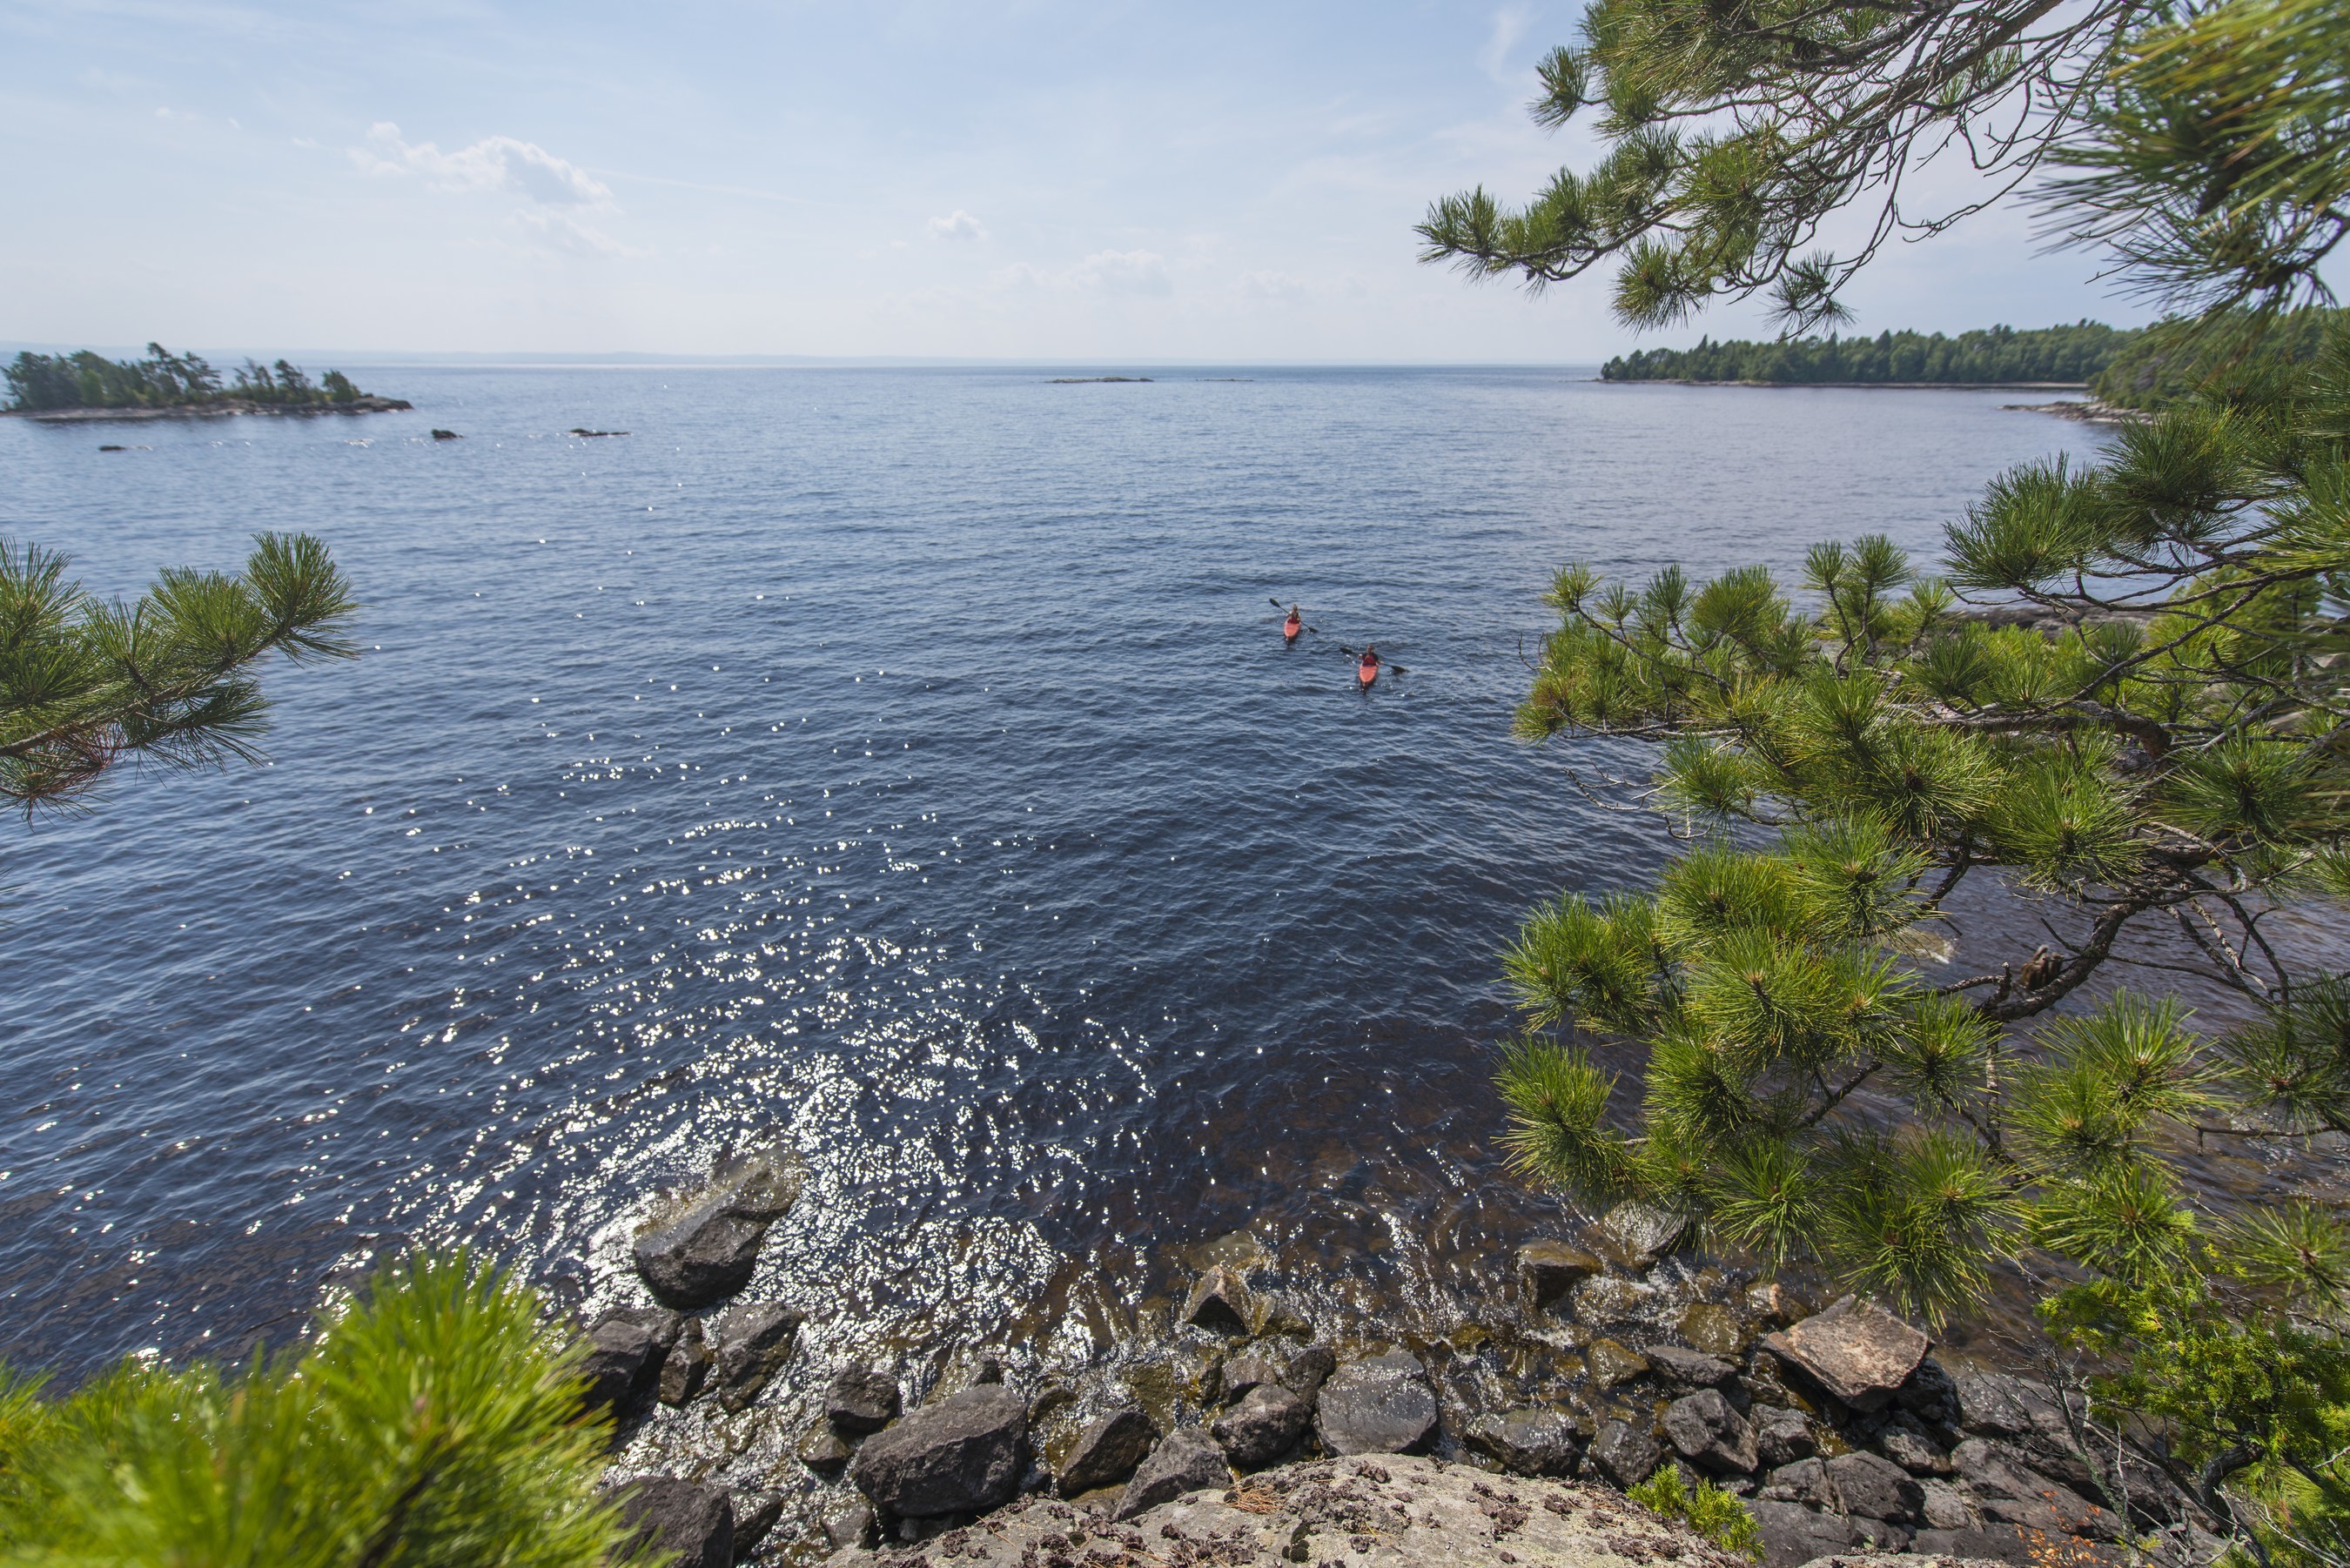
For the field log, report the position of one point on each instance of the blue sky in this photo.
(1050, 180)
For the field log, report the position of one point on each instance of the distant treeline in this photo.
(162, 380)
(2218, 356)
(2004, 354)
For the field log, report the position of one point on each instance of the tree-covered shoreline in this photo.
(1999, 356)
(49, 383)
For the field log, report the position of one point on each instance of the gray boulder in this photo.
(1793, 1536)
(1904, 1440)
(1999, 1405)
(1548, 1270)
(623, 1364)
(1107, 1452)
(1186, 1460)
(1266, 1425)
(707, 1248)
(963, 1455)
(687, 1365)
(1781, 1436)
(663, 1513)
(860, 1401)
(848, 1524)
(1220, 1302)
(1308, 1370)
(1807, 1481)
(1528, 1442)
(1709, 1434)
(1945, 1508)
(1681, 1368)
(1380, 1405)
(1872, 1485)
(1856, 1351)
(754, 1341)
(1624, 1454)
(1243, 1373)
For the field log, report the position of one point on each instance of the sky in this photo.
(1069, 180)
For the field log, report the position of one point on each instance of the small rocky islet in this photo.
(1245, 1439)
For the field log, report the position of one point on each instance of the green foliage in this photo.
(2236, 354)
(85, 684)
(2203, 146)
(1716, 1514)
(433, 1420)
(2002, 354)
(161, 380)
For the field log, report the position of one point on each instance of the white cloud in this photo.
(501, 163)
(960, 225)
(563, 232)
(1271, 286)
(1510, 24)
(1104, 272)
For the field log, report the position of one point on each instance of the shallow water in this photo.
(904, 764)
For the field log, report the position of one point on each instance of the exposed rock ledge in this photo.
(1394, 1510)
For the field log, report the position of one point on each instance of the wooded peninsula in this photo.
(165, 382)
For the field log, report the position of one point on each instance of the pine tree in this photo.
(169, 679)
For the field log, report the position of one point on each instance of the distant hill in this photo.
(1999, 356)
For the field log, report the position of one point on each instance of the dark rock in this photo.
(1266, 1425)
(1872, 1485)
(1528, 1442)
(1308, 1369)
(1772, 1305)
(1680, 1368)
(964, 1454)
(1610, 1363)
(686, 1366)
(1806, 1480)
(1187, 1459)
(1781, 1436)
(1999, 1405)
(1380, 1405)
(825, 1451)
(1245, 1372)
(1548, 1270)
(1624, 1454)
(446, 435)
(1858, 1353)
(1931, 1395)
(707, 1249)
(1793, 1536)
(2010, 1491)
(1904, 1440)
(663, 1513)
(1709, 1434)
(848, 1525)
(1995, 1543)
(113, 447)
(1220, 1302)
(1882, 1534)
(623, 1364)
(860, 1401)
(755, 1513)
(1633, 1235)
(1107, 1452)
(1715, 1330)
(1944, 1508)
(753, 1340)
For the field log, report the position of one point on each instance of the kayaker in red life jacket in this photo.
(1293, 626)
(1368, 669)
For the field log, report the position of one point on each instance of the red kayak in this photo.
(1367, 670)
(1290, 629)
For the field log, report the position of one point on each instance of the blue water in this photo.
(901, 763)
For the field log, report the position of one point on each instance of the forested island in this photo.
(1999, 356)
(85, 385)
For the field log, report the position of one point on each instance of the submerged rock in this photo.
(707, 1248)
(1633, 1235)
(663, 1513)
(1220, 1302)
(1548, 1270)
(963, 1455)
(1858, 1352)
(1380, 1405)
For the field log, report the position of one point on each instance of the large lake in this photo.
(902, 764)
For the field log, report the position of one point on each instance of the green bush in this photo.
(1705, 1508)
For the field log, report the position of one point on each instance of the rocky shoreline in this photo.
(223, 409)
(1840, 1429)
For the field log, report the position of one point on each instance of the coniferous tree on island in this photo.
(2119, 700)
(39, 383)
